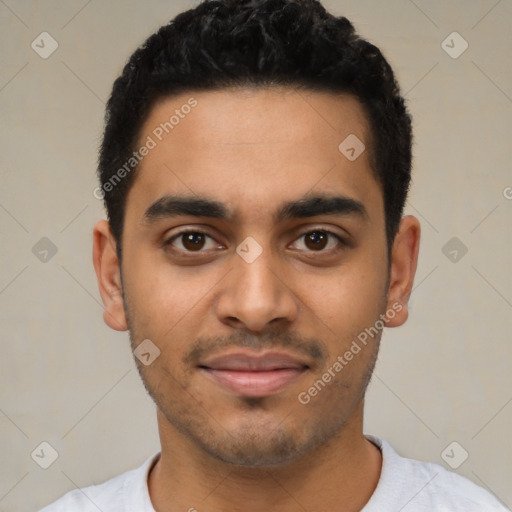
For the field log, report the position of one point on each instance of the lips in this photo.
(254, 375)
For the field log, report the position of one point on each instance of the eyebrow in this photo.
(170, 206)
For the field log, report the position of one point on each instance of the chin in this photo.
(261, 449)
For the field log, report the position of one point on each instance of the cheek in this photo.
(155, 286)
(167, 302)
(349, 299)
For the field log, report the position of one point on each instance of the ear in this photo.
(404, 260)
(108, 274)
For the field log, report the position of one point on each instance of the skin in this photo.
(252, 150)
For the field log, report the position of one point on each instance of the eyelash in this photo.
(169, 241)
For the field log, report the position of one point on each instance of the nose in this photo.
(256, 294)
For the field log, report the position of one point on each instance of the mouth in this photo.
(252, 374)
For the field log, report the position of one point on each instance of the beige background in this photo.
(69, 380)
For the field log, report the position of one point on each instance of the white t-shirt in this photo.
(405, 485)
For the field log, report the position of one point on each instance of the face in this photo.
(254, 257)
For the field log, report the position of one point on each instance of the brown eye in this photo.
(319, 240)
(316, 240)
(191, 241)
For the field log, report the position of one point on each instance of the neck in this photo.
(342, 474)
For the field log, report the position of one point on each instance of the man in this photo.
(255, 165)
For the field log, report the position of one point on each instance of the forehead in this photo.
(254, 148)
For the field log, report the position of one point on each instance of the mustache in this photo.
(204, 347)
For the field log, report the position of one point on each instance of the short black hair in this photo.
(239, 43)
